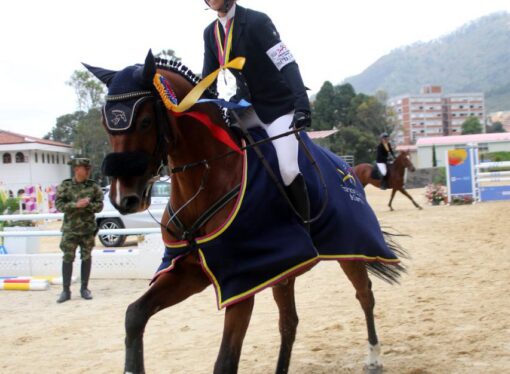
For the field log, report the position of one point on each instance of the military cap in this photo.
(79, 161)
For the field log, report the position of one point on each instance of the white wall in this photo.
(14, 176)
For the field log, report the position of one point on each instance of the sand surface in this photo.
(451, 313)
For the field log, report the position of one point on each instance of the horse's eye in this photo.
(145, 123)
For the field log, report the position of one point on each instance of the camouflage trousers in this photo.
(70, 242)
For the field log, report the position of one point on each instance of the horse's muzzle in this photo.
(125, 164)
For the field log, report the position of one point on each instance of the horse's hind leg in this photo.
(357, 273)
(284, 296)
(169, 289)
(237, 319)
(410, 198)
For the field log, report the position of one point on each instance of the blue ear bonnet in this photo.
(127, 90)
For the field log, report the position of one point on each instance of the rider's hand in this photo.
(301, 119)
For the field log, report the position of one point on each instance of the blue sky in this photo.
(44, 42)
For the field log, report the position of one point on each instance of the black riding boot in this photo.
(67, 272)
(384, 182)
(85, 275)
(298, 195)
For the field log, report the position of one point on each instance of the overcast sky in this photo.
(43, 42)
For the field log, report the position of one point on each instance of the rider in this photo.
(270, 80)
(383, 151)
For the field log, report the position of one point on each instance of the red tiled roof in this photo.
(7, 137)
(320, 134)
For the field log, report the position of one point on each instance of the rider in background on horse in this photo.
(270, 80)
(383, 151)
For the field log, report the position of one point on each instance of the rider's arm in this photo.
(269, 39)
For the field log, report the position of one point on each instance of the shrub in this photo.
(436, 193)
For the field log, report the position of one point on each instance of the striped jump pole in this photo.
(23, 285)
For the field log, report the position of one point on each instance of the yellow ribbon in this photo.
(192, 97)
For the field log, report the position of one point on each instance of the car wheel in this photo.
(111, 240)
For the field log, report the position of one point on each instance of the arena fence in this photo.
(120, 263)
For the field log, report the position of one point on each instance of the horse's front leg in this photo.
(410, 198)
(169, 289)
(284, 296)
(393, 192)
(237, 319)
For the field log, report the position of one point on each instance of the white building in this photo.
(494, 142)
(27, 161)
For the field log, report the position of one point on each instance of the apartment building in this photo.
(433, 113)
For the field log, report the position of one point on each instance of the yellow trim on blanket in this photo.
(233, 215)
(262, 285)
(216, 285)
(359, 257)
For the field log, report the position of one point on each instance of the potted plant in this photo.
(436, 193)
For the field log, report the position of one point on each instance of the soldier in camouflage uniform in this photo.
(78, 198)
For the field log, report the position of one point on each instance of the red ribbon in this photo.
(217, 132)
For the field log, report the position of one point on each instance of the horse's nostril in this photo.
(130, 203)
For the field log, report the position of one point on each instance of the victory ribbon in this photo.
(192, 97)
(224, 49)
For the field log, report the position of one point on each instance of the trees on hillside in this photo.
(359, 118)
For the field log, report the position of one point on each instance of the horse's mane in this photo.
(178, 67)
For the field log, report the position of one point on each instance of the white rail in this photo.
(57, 216)
(149, 230)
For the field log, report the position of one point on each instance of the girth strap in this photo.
(189, 234)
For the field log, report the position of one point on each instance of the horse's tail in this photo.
(390, 272)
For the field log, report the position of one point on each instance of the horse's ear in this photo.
(103, 75)
(149, 68)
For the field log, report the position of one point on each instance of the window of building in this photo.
(36, 159)
(20, 157)
(52, 159)
(6, 158)
(461, 106)
(454, 130)
(42, 158)
(63, 159)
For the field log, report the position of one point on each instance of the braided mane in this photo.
(178, 67)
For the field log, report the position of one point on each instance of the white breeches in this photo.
(382, 168)
(287, 147)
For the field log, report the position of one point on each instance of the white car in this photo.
(148, 218)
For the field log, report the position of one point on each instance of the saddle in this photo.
(376, 174)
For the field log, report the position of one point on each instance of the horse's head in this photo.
(137, 127)
(404, 159)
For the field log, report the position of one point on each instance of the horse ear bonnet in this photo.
(126, 92)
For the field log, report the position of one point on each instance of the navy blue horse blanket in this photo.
(263, 241)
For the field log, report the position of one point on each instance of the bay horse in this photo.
(205, 170)
(396, 171)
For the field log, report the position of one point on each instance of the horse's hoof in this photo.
(373, 369)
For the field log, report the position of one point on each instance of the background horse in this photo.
(395, 179)
(144, 135)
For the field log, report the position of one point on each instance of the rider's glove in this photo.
(301, 119)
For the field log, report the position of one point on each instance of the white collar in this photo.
(230, 14)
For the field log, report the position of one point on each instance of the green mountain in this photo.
(474, 58)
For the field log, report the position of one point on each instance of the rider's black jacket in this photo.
(272, 92)
(382, 153)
